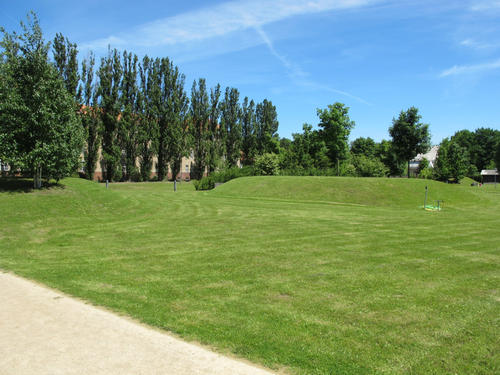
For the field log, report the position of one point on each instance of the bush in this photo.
(135, 175)
(267, 164)
(225, 175)
(367, 167)
(426, 173)
(206, 183)
(348, 170)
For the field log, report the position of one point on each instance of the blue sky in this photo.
(376, 56)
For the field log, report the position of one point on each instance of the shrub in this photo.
(225, 175)
(369, 167)
(348, 170)
(135, 175)
(426, 173)
(206, 183)
(267, 164)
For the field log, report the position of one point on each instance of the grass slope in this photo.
(282, 277)
(397, 192)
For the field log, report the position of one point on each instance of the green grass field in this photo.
(318, 275)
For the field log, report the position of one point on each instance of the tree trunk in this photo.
(37, 178)
(176, 168)
(408, 169)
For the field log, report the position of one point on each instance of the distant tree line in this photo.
(125, 111)
(326, 151)
(466, 153)
(122, 111)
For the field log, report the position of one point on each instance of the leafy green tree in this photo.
(363, 146)
(458, 161)
(266, 128)
(480, 146)
(409, 136)
(384, 151)
(248, 126)
(287, 159)
(466, 139)
(110, 76)
(452, 162)
(485, 142)
(230, 121)
(37, 114)
(199, 114)
(90, 117)
(441, 168)
(66, 61)
(308, 149)
(335, 127)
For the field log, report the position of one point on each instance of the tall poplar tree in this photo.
(129, 118)
(66, 61)
(147, 134)
(217, 141)
(179, 143)
(110, 74)
(230, 121)
(199, 114)
(267, 127)
(248, 127)
(171, 109)
(90, 116)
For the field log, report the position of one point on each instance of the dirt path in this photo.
(43, 331)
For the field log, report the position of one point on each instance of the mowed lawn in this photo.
(301, 274)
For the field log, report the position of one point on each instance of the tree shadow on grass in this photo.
(24, 185)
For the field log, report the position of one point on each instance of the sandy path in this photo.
(43, 331)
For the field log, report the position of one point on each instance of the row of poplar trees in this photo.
(133, 110)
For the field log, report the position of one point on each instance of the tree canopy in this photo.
(335, 127)
(363, 146)
(410, 137)
(39, 127)
(452, 161)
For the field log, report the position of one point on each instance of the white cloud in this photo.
(470, 69)
(220, 20)
(485, 5)
(298, 76)
(469, 43)
(478, 45)
(229, 19)
(293, 69)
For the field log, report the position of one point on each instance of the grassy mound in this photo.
(357, 191)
